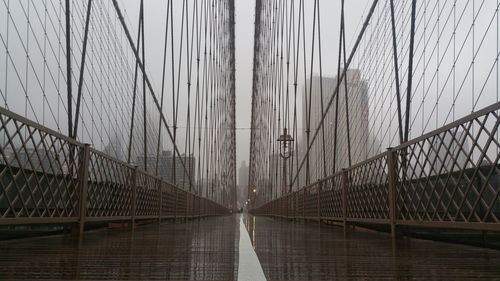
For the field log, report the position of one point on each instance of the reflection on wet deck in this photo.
(305, 251)
(204, 249)
(207, 249)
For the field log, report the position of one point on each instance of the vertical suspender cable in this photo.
(134, 96)
(348, 125)
(396, 72)
(82, 68)
(410, 69)
(68, 69)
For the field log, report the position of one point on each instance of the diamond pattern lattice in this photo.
(38, 169)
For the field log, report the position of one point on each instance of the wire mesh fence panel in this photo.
(367, 191)
(448, 178)
(311, 201)
(110, 187)
(331, 197)
(168, 200)
(452, 174)
(38, 171)
(181, 204)
(148, 196)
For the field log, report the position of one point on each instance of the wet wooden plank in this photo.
(204, 249)
(207, 249)
(306, 251)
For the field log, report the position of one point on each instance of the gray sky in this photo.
(476, 71)
(244, 58)
(244, 18)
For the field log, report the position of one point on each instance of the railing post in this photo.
(83, 179)
(194, 203)
(289, 207)
(196, 210)
(303, 204)
(203, 207)
(134, 196)
(196, 207)
(345, 186)
(393, 181)
(187, 214)
(175, 204)
(318, 205)
(200, 202)
(282, 208)
(275, 206)
(160, 193)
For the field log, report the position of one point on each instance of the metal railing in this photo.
(46, 177)
(448, 178)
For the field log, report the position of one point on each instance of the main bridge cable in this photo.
(162, 86)
(68, 69)
(410, 69)
(144, 104)
(197, 113)
(82, 69)
(175, 93)
(335, 129)
(134, 95)
(348, 126)
(189, 67)
(320, 58)
(251, 170)
(288, 27)
(146, 78)
(291, 28)
(335, 93)
(296, 73)
(309, 105)
(396, 72)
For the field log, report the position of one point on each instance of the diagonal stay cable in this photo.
(148, 82)
(344, 72)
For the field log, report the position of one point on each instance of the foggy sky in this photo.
(244, 20)
(330, 15)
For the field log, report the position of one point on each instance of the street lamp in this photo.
(285, 141)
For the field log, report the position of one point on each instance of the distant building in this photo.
(242, 183)
(358, 123)
(170, 168)
(243, 174)
(115, 148)
(39, 160)
(448, 153)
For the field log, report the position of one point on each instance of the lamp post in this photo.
(285, 141)
(253, 196)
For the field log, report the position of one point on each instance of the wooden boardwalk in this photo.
(307, 251)
(204, 249)
(207, 249)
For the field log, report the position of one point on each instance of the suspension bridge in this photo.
(374, 146)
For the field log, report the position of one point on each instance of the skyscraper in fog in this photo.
(242, 183)
(179, 174)
(243, 174)
(317, 94)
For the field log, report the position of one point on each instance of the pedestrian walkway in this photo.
(308, 251)
(222, 248)
(203, 249)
